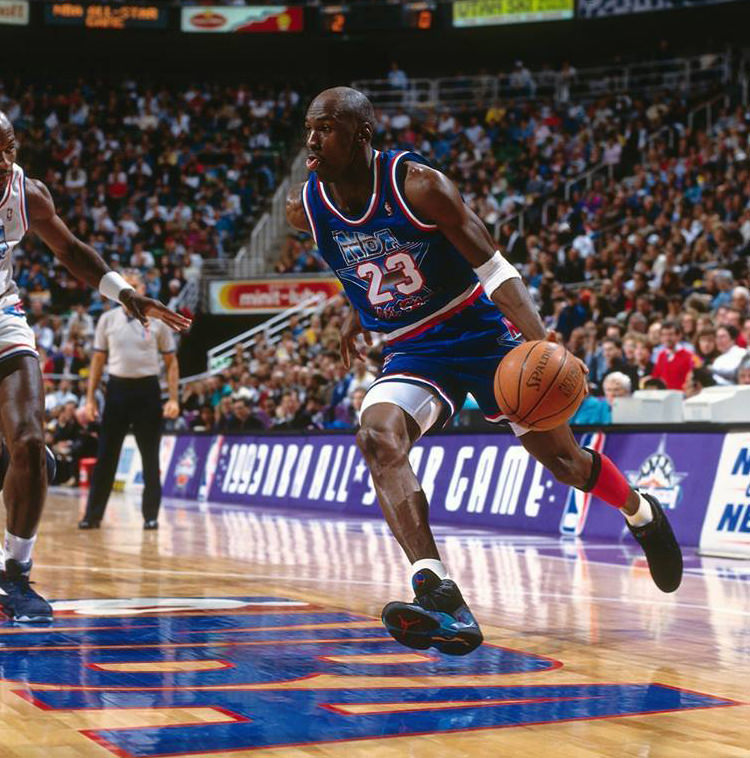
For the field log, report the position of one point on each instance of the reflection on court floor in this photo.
(232, 631)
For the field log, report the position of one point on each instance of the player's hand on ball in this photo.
(92, 412)
(552, 337)
(350, 330)
(141, 307)
(171, 409)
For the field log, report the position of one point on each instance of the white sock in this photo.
(18, 548)
(644, 515)
(430, 563)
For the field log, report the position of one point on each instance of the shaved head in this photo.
(5, 122)
(344, 103)
(339, 123)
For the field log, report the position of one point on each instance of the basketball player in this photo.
(418, 265)
(26, 204)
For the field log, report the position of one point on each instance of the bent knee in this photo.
(27, 445)
(381, 446)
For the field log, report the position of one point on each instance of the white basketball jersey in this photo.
(14, 221)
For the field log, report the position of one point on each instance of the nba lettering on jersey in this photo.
(388, 270)
(236, 658)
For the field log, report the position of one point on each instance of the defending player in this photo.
(420, 266)
(26, 204)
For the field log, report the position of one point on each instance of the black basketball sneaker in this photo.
(18, 600)
(437, 618)
(660, 546)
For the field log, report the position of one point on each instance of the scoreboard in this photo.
(421, 16)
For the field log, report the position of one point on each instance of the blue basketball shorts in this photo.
(451, 374)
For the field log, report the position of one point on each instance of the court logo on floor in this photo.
(260, 672)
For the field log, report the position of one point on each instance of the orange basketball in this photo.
(539, 385)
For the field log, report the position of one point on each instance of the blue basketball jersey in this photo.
(401, 274)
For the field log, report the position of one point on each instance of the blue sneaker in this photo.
(437, 618)
(18, 601)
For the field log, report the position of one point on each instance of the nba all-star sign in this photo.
(602, 8)
(269, 672)
(478, 480)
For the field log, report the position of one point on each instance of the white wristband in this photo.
(112, 284)
(494, 272)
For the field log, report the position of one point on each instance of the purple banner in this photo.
(471, 480)
(187, 466)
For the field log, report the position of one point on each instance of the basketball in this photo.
(539, 385)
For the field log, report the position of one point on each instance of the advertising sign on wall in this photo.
(478, 480)
(261, 18)
(468, 13)
(268, 295)
(602, 8)
(101, 16)
(15, 12)
(726, 529)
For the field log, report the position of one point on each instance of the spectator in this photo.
(725, 365)
(617, 385)
(743, 372)
(674, 362)
(593, 411)
(397, 79)
(242, 419)
(205, 420)
(698, 378)
(705, 345)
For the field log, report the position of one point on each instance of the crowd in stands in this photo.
(643, 274)
(154, 177)
(518, 155)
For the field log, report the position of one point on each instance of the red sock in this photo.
(606, 481)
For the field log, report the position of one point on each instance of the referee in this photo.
(133, 400)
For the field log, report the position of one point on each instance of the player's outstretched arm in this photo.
(295, 211)
(85, 263)
(436, 199)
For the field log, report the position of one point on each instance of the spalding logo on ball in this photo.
(539, 385)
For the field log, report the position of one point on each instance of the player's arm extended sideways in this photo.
(83, 261)
(435, 199)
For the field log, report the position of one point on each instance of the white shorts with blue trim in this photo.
(422, 400)
(16, 336)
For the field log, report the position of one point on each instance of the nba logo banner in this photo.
(726, 529)
(577, 505)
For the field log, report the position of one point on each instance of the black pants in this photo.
(136, 403)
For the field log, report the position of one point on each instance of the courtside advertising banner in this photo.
(236, 298)
(483, 480)
(14, 12)
(726, 529)
(259, 18)
(604, 8)
(470, 13)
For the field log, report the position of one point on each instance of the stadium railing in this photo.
(220, 356)
(679, 74)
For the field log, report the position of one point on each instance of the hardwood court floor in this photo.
(272, 646)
